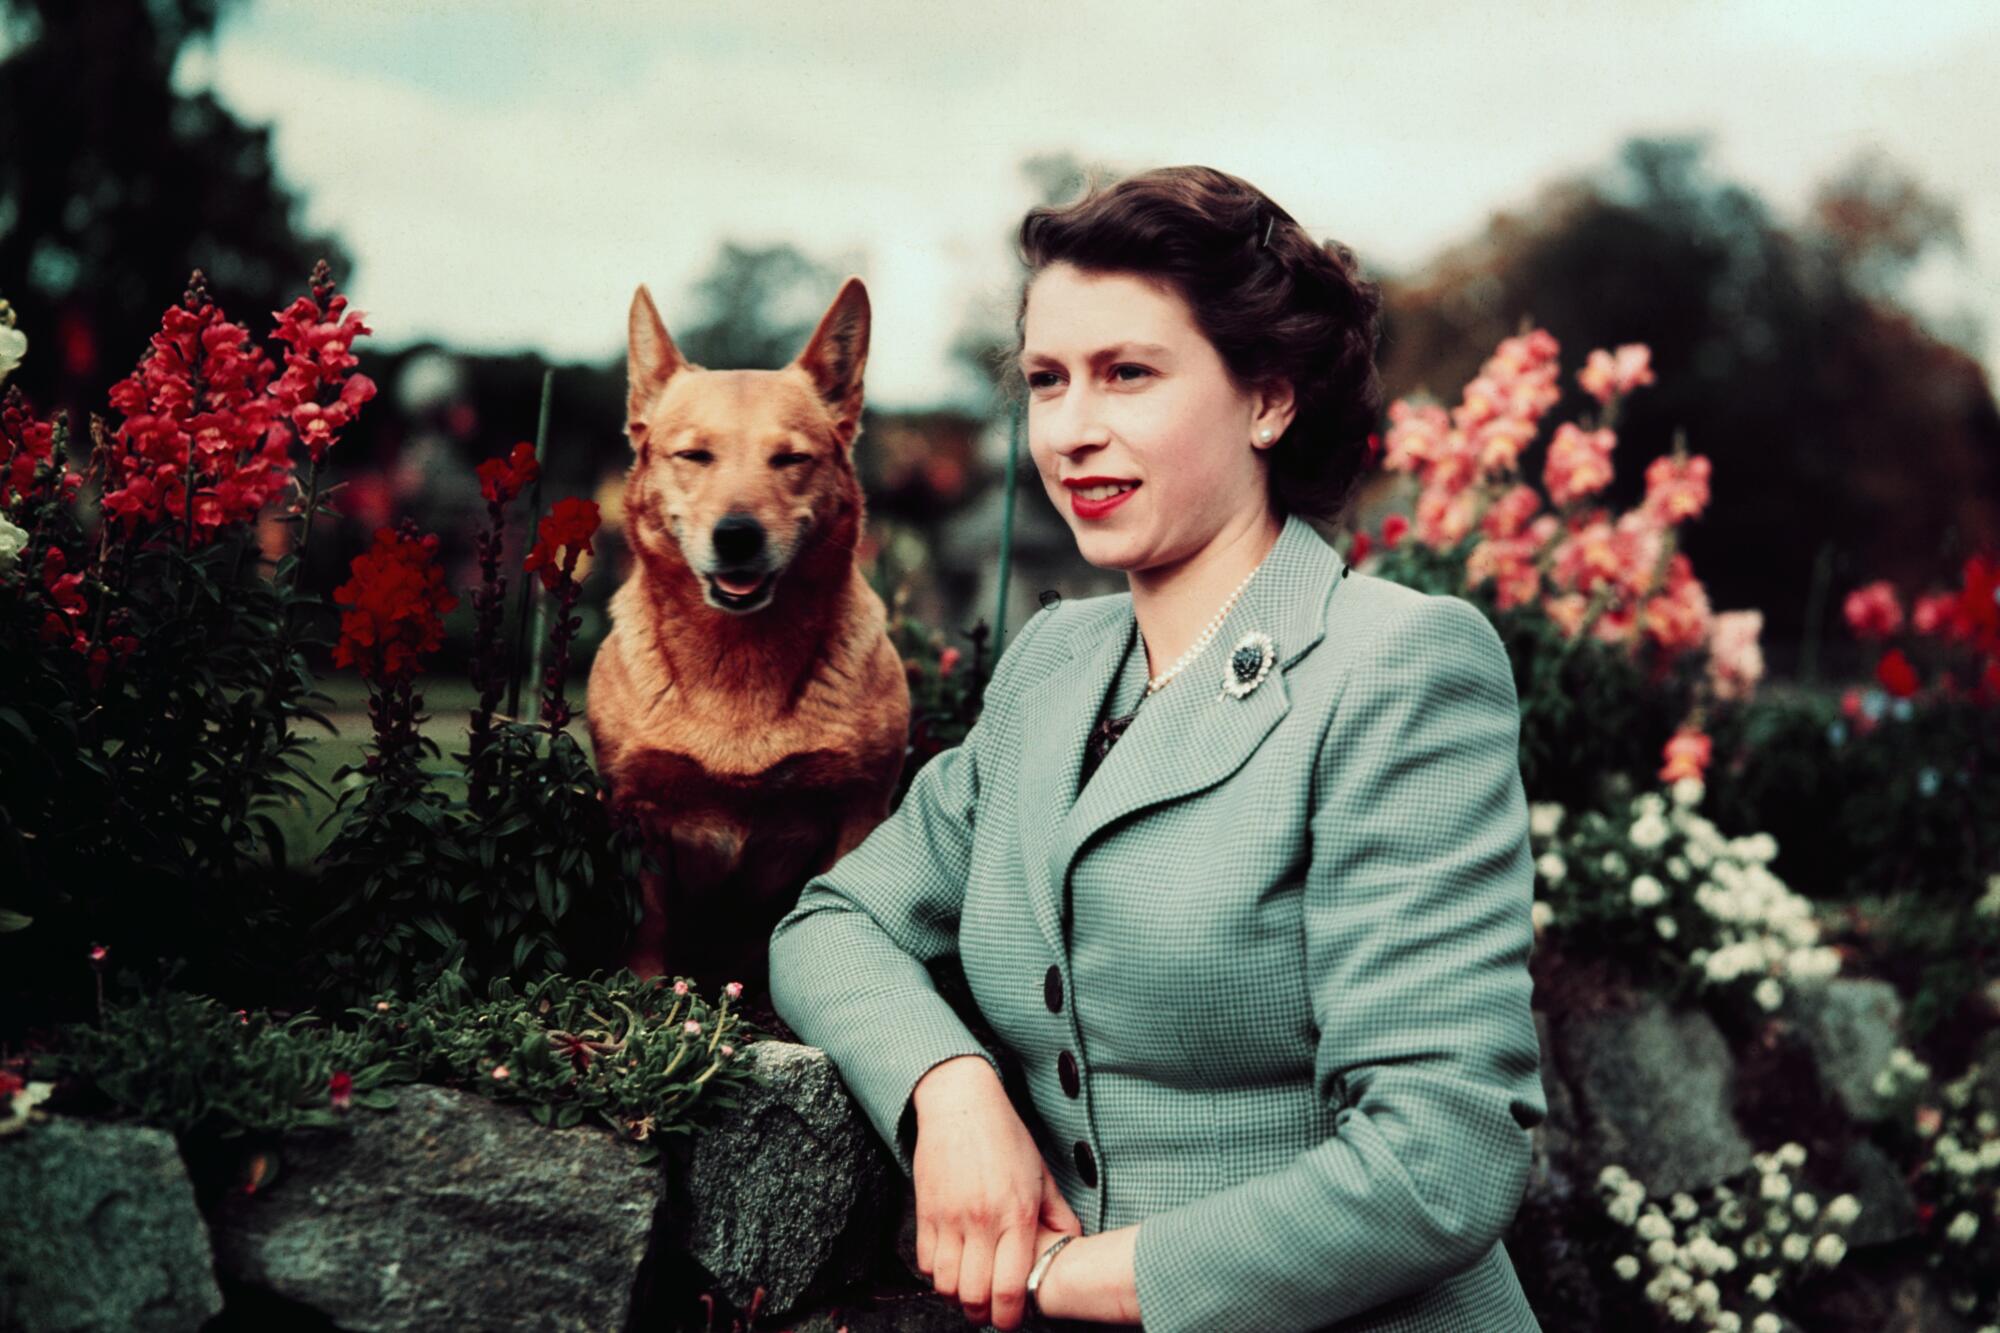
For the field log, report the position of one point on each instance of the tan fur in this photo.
(757, 747)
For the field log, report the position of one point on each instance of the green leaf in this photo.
(12, 921)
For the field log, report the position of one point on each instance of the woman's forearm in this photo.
(1094, 1279)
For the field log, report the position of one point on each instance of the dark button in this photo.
(1052, 989)
(1086, 1165)
(1066, 1067)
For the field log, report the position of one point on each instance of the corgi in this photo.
(747, 706)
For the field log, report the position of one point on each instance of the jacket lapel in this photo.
(1185, 739)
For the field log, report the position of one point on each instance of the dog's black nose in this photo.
(739, 538)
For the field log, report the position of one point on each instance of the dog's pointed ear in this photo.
(836, 354)
(651, 359)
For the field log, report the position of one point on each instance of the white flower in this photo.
(1677, 866)
(1625, 1266)
(1828, 1249)
(1795, 1247)
(1792, 1154)
(1653, 1226)
(13, 541)
(1769, 994)
(1540, 915)
(1613, 865)
(1551, 868)
(1728, 1321)
(1962, 1229)
(1757, 1246)
(1648, 892)
(1804, 1206)
(1661, 1252)
(1707, 1295)
(1648, 831)
(1775, 1187)
(1767, 1323)
(13, 347)
(1544, 818)
(1687, 792)
(1843, 1210)
(1667, 926)
(1763, 1287)
(1684, 1206)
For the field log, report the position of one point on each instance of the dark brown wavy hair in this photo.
(1275, 303)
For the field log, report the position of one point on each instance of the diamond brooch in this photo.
(1249, 662)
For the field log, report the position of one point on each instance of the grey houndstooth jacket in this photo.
(1267, 976)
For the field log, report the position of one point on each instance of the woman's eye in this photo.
(1035, 378)
(1129, 366)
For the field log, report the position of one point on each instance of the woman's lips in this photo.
(1083, 508)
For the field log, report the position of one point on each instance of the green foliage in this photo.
(418, 883)
(947, 688)
(612, 1048)
(134, 790)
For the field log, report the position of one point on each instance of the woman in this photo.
(1259, 944)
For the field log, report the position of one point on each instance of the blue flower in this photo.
(1874, 703)
(1927, 780)
(1901, 710)
(1836, 732)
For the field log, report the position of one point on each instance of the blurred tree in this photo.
(759, 305)
(1848, 443)
(113, 186)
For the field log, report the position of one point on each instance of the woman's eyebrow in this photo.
(1101, 355)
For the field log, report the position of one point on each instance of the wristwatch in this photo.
(1041, 1268)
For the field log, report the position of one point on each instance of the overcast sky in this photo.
(505, 171)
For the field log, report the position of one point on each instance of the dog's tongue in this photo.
(730, 585)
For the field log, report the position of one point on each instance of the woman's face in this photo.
(1122, 385)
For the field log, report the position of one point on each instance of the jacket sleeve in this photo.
(848, 962)
(1417, 932)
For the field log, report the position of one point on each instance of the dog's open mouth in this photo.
(737, 591)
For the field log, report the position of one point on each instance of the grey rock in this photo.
(792, 1192)
(1553, 1143)
(1851, 1024)
(1888, 1213)
(1655, 1087)
(453, 1211)
(99, 1229)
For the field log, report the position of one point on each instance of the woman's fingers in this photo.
(1056, 1211)
(946, 1255)
(1012, 1259)
(975, 1275)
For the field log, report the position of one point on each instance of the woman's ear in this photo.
(1274, 409)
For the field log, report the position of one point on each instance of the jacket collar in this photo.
(1186, 738)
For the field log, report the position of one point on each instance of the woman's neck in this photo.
(1174, 603)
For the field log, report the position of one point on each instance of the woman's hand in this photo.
(984, 1194)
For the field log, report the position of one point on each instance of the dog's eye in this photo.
(694, 455)
(790, 460)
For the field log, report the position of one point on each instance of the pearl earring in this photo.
(1264, 434)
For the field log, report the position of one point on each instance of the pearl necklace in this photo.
(1159, 682)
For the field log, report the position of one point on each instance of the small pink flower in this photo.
(947, 660)
(340, 1088)
(500, 1073)
(727, 1050)
(97, 954)
(691, 1027)
(1872, 610)
(1929, 1119)
(1393, 528)
(381, 1006)
(242, 1015)
(680, 988)
(734, 990)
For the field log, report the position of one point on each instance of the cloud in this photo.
(506, 172)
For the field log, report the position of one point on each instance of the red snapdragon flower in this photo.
(565, 537)
(1687, 753)
(1872, 611)
(318, 393)
(340, 1089)
(501, 479)
(1896, 673)
(397, 602)
(197, 416)
(26, 447)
